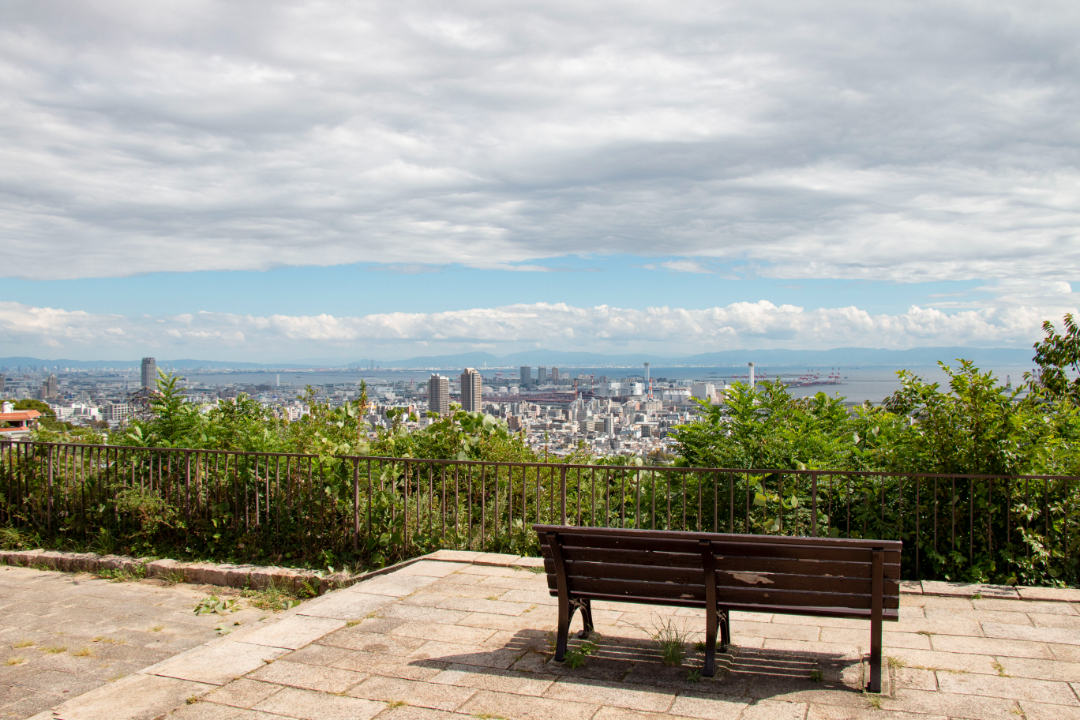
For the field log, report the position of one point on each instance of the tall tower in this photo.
(439, 394)
(149, 373)
(526, 376)
(648, 383)
(751, 365)
(541, 375)
(555, 375)
(471, 385)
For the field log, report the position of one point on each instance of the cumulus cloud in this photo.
(664, 330)
(907, 142)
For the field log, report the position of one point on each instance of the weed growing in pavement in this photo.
(173, 577)
(694, 676)
(15, 661)
(23, 644)
(54, 649)
(672, 640)
(276, 598)
(84, 652)
(214, 604)
(816, 676)
(895, 663)
(999, 667)
(875, 701)
(576, 657)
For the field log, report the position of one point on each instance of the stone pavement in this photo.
(62, 634)
(469, 635)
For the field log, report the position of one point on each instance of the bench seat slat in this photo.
(724, 576)
(726, 595)
(891, 614)
(653, 536)
(794, 551)
(728, 563)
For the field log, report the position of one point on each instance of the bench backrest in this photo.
(667, 567)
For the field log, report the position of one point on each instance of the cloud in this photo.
(932, 141)
(666, 330)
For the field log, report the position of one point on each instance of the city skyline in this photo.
(429, 179)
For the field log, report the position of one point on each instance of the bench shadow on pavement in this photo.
(635, 664)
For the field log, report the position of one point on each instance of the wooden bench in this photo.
(822, 577)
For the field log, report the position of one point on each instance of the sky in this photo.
(263, 181)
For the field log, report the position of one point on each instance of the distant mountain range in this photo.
(837, 357)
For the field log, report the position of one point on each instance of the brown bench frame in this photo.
(764, 547)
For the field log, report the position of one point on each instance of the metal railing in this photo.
(327, 509)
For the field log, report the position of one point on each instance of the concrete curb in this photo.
(219, 574)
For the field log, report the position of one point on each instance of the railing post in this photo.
(813, 504)
(356, 504)
(48, 499)
(187, 488)
(562, 495)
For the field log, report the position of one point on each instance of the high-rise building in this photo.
(526, 376)
(471, 388)
(439, 394)
(555, 375)
(149, 373)
(50, 389)
(3, 384)
(541, 375)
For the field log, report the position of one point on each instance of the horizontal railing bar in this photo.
(572, 466)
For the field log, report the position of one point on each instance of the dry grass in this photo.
(15, 661)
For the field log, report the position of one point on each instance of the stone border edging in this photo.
(218, 574)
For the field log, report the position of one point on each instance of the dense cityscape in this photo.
(556, 410)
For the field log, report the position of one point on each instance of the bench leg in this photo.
(711, 621)
(586, 618)
(725, 630)
(566, 614)
(875, 657)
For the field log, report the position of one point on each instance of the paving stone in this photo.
(521, 707)
(353, 639)
(1062, 636)
(444, 633)
(968, 707)
(345, 605)
(1039, 711)
(242, 693)
(135, 697)
(217, 663)
(1066, 653)
(610, 694)
(1058, 621)
(309, 677)
(293, 632)
(933, 660)
(423, 694)
(431, 568)
(991, 646)
(1038, 608)
(1041, 669)
(936, 587)
(707, 707)
(505, 622)
(394, 585)
(1056, 693)
(529, 562)
(1040, 593)
(408, 712)
(981, 615)
(507, 681)
(487, 606)
(454, 556)
(833, 712)
(466, 654)
(309, 705)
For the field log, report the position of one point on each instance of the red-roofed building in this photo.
(17, 423)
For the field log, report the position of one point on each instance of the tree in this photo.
(1055, 356)
(28, 404)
